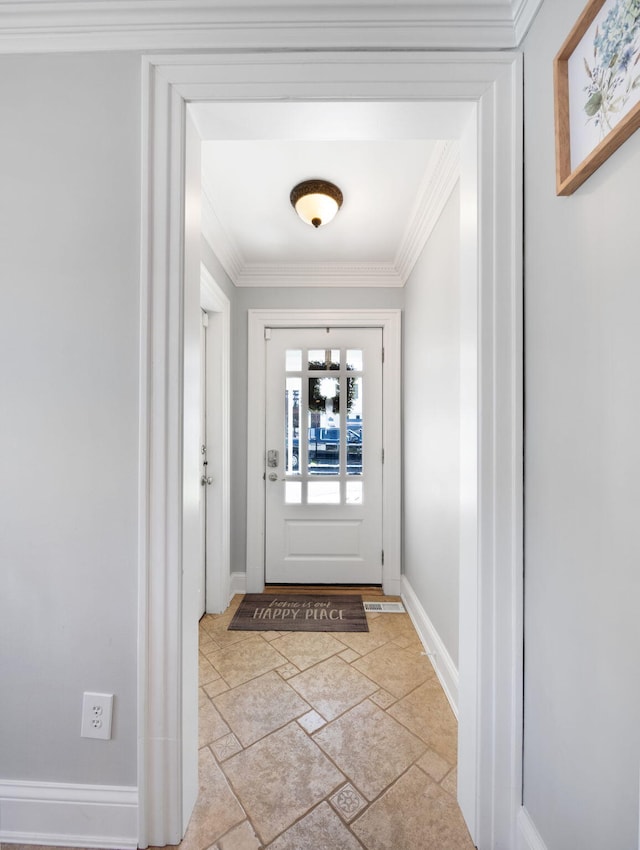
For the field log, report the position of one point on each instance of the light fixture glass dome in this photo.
(316, 201)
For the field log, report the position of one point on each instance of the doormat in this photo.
(264, 612)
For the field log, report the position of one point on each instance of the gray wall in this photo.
(431, 433)
(69, 273)
(582, 689)
(69, 328)
(69, 348)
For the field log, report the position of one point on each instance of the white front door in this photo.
(323, 459)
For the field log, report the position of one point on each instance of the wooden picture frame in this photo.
(596, 89)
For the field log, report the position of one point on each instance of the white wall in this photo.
(69, 328)
(582, 651)
(431, 415)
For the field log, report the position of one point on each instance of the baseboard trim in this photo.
(528, 836)
(446, 670)
(238, 584)
(62, 814)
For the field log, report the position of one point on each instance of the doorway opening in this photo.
(388, 324)
(490, 708)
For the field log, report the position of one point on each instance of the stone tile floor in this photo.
(317, 741)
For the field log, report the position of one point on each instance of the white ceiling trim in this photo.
(226, 249)
(319, 274)
(28, 26)
(442, 175)
(524, 11)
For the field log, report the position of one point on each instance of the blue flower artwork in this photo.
(604, 75)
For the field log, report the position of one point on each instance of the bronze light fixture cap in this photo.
(316, 201)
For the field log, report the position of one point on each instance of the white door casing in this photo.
(323, 472)
(389, 321)
(490, 776)
(218, 416)
(202, 583)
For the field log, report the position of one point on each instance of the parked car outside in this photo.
(324, 449)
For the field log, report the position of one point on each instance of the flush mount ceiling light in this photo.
(316, 201)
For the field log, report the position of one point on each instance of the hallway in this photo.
(312, 741)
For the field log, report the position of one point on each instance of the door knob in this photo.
(206, 479)
(273, 476)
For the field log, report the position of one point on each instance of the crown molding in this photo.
(439, 181)
(226, 249)
(319, 274)
(30, 26)
(524, 11)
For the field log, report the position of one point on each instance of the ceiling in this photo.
(396, 164)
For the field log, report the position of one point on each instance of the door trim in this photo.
(390, 322)
(491, 666)
(218, 375)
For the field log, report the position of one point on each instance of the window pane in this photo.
(294, 360)
(354, 398)
(354, 427)
(292, 426)
(324, 426)
(354, 449)
(354, 359)
(293, 492)
(323, 493)
(321, 358)
(324, 451)
(354, 492)
(324, 399)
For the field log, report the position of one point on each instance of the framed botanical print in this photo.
(597, 89)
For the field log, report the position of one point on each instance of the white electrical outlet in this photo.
(97, 710)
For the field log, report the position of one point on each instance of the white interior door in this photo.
(323, 459)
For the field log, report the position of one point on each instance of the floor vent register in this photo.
(384, 607)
